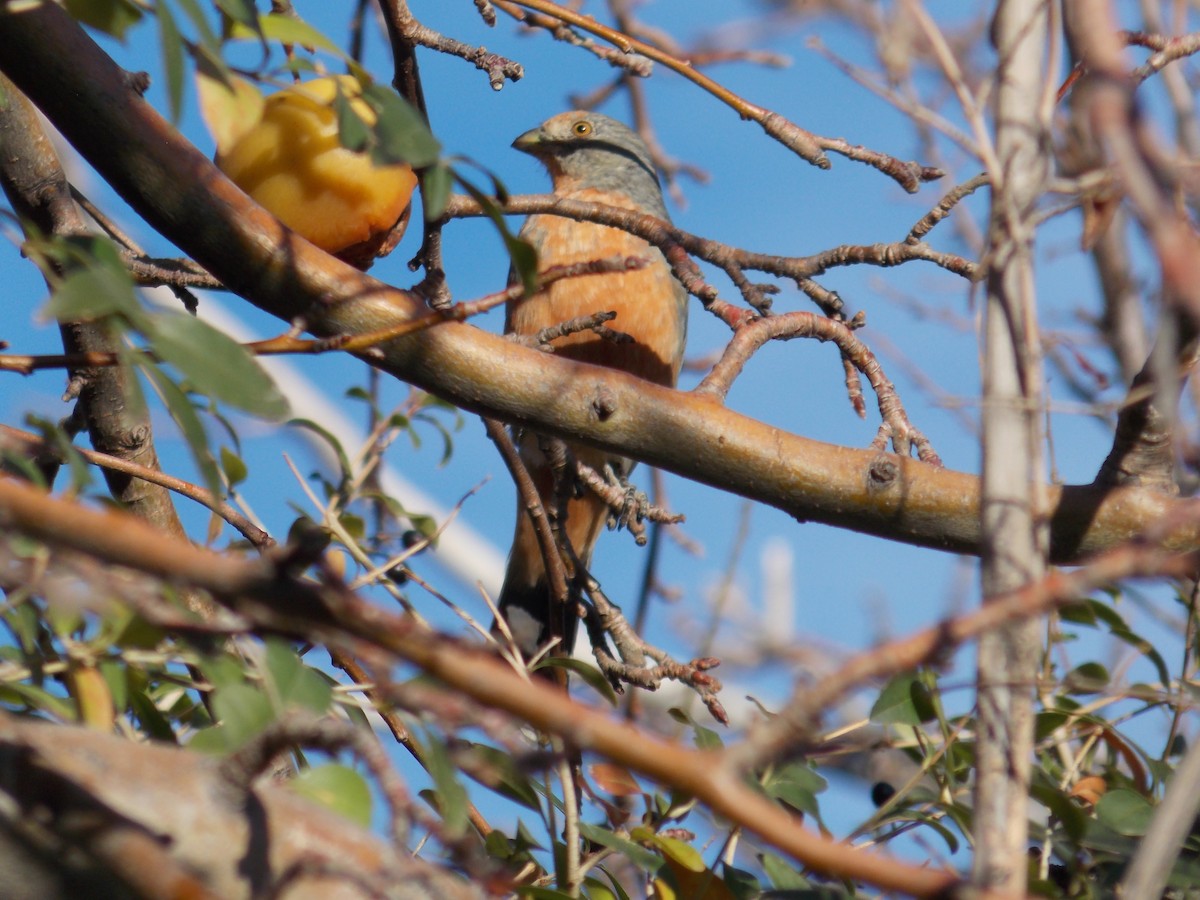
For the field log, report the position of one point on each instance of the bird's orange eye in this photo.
(582, 128)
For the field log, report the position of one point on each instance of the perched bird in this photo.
(595, 158)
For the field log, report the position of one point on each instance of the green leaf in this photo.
(18, 463)
(501, 774)
(742, 884)
(797, 785)
(1071, 818)
(680, 851)
(1087, 678)
(931, 822)
(288, 29)
(782, 874)
(189, 423)
(135, 633)
(242, 711)
(447, 437)
(113, 673)
(595, 889)
(23, 620)
(16, 692)
(338, 788)
(52, 434)
(1047, 722)
(215, 364)
(354, 525)
(233, 466)
(292, 682)
(588, 673)
(346, 470)
(208, 37)
(1147, 649)
(704, 738)
(401, 134)
(223, 671)
(113, 17)
(524, 260)
(646, 860)
(450, 795)
(93, 292)
(150, 718)
(1125, 812)
(905, 700)
(436, 182)
(353, 133)
(1090, 611)
(614, 883)
(241, 11)
(172, 54)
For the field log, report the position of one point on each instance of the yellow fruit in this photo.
(290, 162)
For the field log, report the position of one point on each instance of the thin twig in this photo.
(807, 145)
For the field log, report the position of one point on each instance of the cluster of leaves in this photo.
(99, 664)
(1094, 786)
(90, 283)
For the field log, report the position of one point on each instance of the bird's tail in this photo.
(533, 616)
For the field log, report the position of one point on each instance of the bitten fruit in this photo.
(291, 162)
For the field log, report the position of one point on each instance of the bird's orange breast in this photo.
(649, 302)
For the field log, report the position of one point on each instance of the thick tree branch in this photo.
(180, 193)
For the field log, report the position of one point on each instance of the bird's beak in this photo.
(529, 142)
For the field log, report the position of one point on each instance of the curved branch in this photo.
(259, 589)
(184, 196)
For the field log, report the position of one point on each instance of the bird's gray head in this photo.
(591, 150)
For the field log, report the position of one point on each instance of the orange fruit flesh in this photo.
(292, 164)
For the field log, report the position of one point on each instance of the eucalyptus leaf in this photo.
(93, 292)
(1125, 812)
(196, 14)
(233, 466)
(506, 777)
(287, 29)
(588, 673)
(338, 788)
(184, 414)
(242, 12)
(113, 17)
(346, 470)
(215, 364)
(171, 42)
(646, 860)
(450, 795)
(401, 134)
(353, 133)
(782, 874)
(295, 684)
(243, 712)
(905, 700)
(436, 182)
